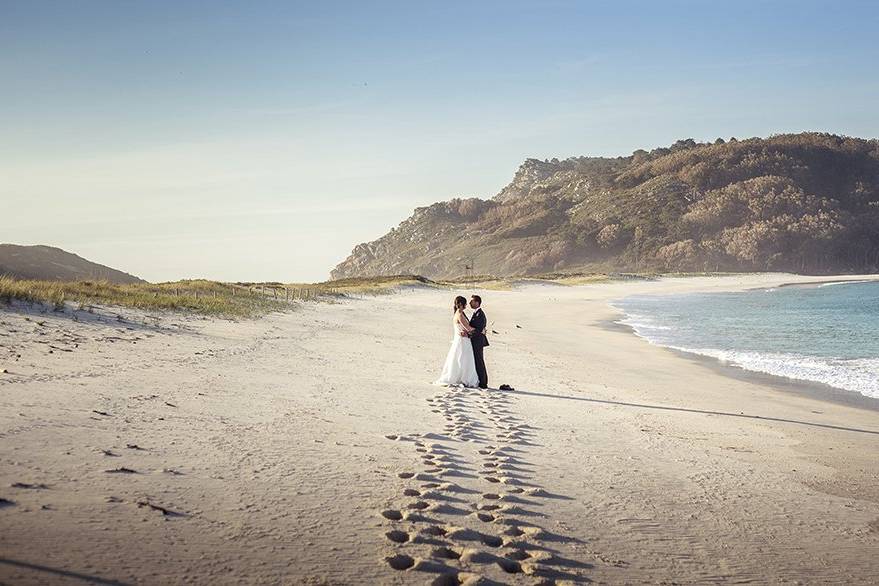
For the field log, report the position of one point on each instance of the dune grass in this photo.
(242, 299)
(371, 285)
(197, 296)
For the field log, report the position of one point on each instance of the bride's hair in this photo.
(460, 303)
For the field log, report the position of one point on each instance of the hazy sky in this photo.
(263, 140)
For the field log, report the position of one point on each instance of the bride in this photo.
(460, 366)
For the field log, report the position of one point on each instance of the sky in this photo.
(263, 140)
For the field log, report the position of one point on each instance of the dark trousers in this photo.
(480, 366)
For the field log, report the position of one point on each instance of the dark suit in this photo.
(479, 342)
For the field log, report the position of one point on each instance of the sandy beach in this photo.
(311, 448)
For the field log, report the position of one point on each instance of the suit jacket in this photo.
(479, 322)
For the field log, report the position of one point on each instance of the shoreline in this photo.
(834, 281)
(791, 386)
(796, 386)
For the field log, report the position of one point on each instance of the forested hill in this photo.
(797, 202)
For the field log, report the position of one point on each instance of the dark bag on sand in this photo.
(506, 388)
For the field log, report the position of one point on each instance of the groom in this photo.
(478, 339)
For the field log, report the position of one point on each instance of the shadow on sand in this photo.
(58, 572)
(702, 411)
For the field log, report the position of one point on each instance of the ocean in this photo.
(826, 333)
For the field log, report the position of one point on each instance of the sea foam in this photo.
(785, 336)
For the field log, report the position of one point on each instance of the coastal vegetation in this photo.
(197, 296)
(244, 299)
(200, 296)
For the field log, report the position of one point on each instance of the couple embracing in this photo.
(465, 364)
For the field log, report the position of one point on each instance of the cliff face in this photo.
(53, 264)
(803, 202)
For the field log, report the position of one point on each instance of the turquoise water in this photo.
(827, 333)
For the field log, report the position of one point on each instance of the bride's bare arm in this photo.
(462, 319)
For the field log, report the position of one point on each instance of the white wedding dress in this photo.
(460, 366)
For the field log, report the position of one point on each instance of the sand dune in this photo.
(309, 447)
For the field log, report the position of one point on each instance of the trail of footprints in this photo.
(471, 514)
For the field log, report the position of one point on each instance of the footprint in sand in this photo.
(398, 536)
(405, 475)
(400, 561)
(392, 514)
(445, 553)
(433, 531)
(517, 554)
(510, 566)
